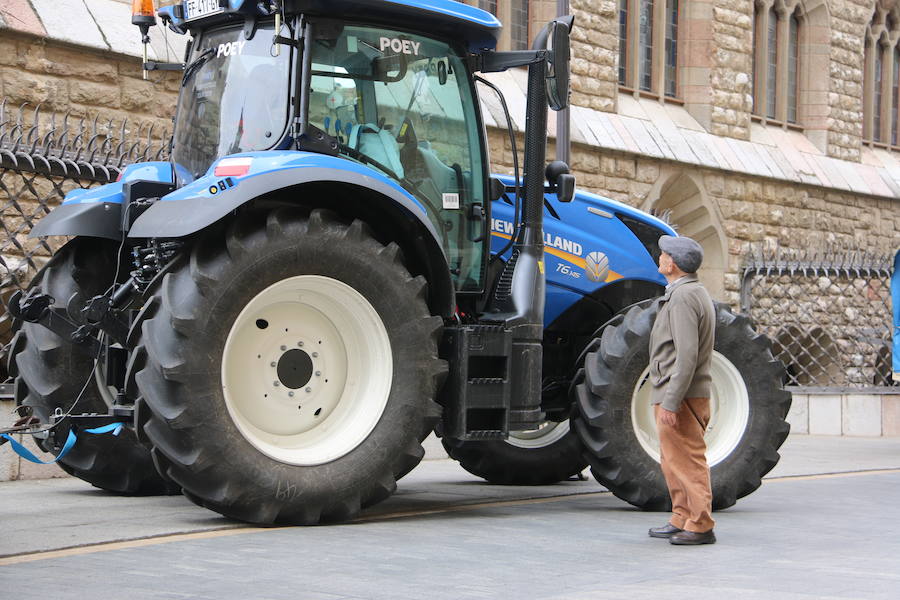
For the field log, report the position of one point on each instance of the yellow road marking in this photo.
(106, 546)
(834, 475)
(240, 530)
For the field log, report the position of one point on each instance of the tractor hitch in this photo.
(116, 414)
(100, 313)
(38, 308)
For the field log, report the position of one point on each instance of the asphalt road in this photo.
(825, 525)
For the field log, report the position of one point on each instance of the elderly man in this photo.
(681, 345)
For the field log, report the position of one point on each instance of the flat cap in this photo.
(687, 253)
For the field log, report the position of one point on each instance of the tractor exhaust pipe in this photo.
(527, 289)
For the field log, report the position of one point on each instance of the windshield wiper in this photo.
(196, 64)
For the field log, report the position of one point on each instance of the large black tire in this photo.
(611, 405)
(50, 373)
(194, 409)
(542, 457)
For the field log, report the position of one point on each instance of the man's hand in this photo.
(667, 417)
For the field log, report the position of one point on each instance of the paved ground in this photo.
(445, 535)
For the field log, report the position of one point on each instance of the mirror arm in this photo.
(495, 62)
(161, 66)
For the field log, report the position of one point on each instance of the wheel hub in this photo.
(294, 368)
(307, 369)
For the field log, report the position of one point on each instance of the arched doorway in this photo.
(683, 202)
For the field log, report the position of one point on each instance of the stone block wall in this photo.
(84, 83)
(732, 53)
(595, 54)
(849, 19)
(716, 61)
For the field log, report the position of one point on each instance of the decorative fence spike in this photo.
(831, 322)
(43, 155)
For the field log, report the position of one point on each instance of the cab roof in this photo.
(478, 29)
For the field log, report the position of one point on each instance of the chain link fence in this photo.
(828, 314)
(42, 158)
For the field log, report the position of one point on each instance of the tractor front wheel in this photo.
(289, 370)
(614, 418)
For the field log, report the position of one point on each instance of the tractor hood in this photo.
(609, 206)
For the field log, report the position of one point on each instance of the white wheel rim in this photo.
(548, 433)
(348, 363)
(729, 412)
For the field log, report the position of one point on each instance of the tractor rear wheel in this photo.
(51, 373)
(290, 369)
(543, 456)
(614, 418)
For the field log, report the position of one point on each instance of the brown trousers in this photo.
(683, 457)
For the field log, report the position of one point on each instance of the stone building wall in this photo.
(595, 54)
(732, 51)
(716, 64)
(84, 83)
(849, 19)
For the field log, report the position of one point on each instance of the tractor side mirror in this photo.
(560, 180)
(558, 68)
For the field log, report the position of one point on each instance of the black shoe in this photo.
(667, 530)
(692, 538)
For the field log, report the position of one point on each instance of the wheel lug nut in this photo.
(291, 394)
(315, 355)
(318, 373)
(283, 348)
(272, 364)
(300, 344)
(308, 390)
(275, 383)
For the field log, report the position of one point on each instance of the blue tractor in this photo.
(325, 272)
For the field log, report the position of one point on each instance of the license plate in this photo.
(194, 9)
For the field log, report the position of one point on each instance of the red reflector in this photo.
(233, 167)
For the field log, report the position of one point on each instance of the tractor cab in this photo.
(365, 88)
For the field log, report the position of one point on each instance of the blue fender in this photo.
(210, 198)
(97, 212)
(207, 199)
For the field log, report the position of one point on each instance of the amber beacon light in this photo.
(143, 14)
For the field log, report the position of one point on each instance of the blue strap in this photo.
(114, 428)
(26, 453)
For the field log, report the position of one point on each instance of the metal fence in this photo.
(43, 157)
(828, 313)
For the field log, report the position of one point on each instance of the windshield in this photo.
(234, 98)
(403, 104)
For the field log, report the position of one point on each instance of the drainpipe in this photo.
(563, 140)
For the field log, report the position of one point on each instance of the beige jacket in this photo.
(681, 344)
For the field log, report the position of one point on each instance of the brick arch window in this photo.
(778, 36)
(881, 76)
(648, 46)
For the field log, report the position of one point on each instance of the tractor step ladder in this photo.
(479, 381)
